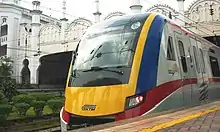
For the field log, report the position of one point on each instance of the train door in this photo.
(181, 54)
(182, 46)
(199, 77)
(203, 86)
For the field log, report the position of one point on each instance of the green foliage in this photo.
(3, 100)
(22, 108)
(6, 67)
(23, 98)
(7, 85)
(38, 107)
(55, 105)
(5, 110)
(43, 96)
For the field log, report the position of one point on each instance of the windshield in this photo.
(106, 48)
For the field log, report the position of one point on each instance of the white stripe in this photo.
(61, 111)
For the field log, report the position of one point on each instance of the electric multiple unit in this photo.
(137, 64)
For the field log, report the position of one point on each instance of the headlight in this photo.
(134, 101)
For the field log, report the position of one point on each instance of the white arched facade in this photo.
(199, 11)
(49, 33)
(200, 17)
(77, 28)
(51, 39)
(200, 21)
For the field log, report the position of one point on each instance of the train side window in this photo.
(196, 59)
(182, 56)
(214, 66)
(203, 61)
(170, 49)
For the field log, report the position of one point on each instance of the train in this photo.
(138, 64)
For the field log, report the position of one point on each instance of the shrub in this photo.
(43, 96)
(23, 98)
(22, 108)
(8, 87)
(3, 100)
(55, 105)
(5, 110)
(38, 107)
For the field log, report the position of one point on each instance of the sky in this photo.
(85, 8)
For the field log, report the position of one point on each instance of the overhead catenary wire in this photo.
(29, 37)
(51, 9)
(54, 10)
(185, 17)
(45, 35)
(37, 36)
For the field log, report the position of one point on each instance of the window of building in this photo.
(4, 27)
(182, 56)
(214, 66)
(170, 49)
(3, 50)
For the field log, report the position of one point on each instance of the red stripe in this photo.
(155, 96)
(214, 79)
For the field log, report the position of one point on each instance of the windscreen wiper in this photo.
(97, 68)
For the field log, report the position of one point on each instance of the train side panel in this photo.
(185, 63)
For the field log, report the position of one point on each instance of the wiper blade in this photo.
(97, 68)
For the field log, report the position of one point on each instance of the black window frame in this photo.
(170, 49)
(182, 56)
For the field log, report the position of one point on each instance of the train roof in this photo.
(144, 15)
(192, 34)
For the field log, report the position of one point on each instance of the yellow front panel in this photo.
(108, 99)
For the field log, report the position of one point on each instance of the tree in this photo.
(6, 67)
(8, 85)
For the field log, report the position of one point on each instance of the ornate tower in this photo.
(63, 23)
(97, 14)
(35, 25)
(136, 6)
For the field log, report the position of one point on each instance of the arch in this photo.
(49, 32)
(200, 2)
(158, 7)
(113, 14)
(4, 27)
(49, 25)
(80, 20)
(77, 28)
(25, 72)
